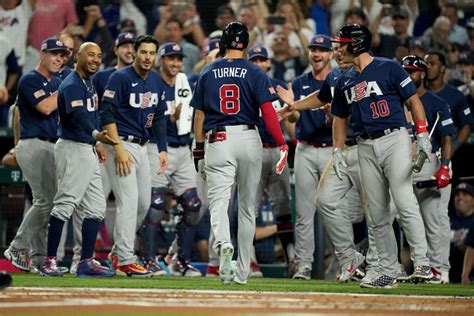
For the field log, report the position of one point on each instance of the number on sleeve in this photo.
(229, 99)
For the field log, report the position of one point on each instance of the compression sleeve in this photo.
(271, 122)
(159, 130)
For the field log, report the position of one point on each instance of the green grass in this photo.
(266, 284)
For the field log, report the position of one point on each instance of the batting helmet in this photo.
(412, 62)
(234, 36)
(358, 37)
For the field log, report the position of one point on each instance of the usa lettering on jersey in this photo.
(362, 90)
(144, 100)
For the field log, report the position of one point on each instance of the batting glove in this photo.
(283, 157)
(198, 154)
(338, 161)
(442, 176)
(423, 144)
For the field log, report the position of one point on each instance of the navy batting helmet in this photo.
(357, 36)
(414, 63)
(234, 36)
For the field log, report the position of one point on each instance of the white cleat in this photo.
(226, 271)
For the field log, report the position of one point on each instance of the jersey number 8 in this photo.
(229, 99)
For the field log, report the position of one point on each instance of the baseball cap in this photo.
(321, 41)
(53, 44)
(400, 11)
(124, 38)
(257, 51)
(466, 187)
(170, 49)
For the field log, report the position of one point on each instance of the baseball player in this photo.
(333, 194)
(130, 106)
(313, 131)
(278, 186)
(373, 92)
(77, 159)
(124, 52)
(429, 198)
(37, 103)
(180, 172)
(462, 119)
(228, 95)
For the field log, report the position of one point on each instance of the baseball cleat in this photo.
(255, 270)
(92, 268)
(50, 267)
(303, 273)
(113, 258)
(156, 267)
(422, 273)
(18, 258)
(226, 272)
(181, 267)
(436, 279)
(370, 275)
(349, 268)
(381, 282)
(212, 271)
(134, 270)
(402, 275)
(239, 281)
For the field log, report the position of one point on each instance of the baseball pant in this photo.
(309, 165)
(332, 201)
(132, 197)
(79, 181)
(278, 186)
(385, 164)
(237, 159)
(36, 160)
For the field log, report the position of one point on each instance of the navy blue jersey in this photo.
(134, 100)
(231, 91)
(63, 73)
(32, 89)
(460, 111)
(277, 104)
(326, 94)
(77, 94)
(375, 96)
(434, 104)
(313, 125)
(100, 80)
(172, 128)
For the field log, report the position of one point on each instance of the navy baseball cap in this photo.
(320, 41)
(257, 51)
(466, 187)
(171, 49)
(124, 38)
(53, 44)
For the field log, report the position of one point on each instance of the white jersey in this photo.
(14, 25)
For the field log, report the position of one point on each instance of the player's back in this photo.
(231, 92)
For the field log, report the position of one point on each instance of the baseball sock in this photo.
(90, 227)
(55, 230)
(359, 230)
(285, 233)
(147, 235)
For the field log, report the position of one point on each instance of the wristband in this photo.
(94, 133)
(420, 127)
(199, 145)
(445, 162)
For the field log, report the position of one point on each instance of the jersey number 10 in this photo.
(229, 99)
(380, 109)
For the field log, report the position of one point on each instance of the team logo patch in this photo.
(39, 93)
(109, 94)
(257, 50)
(77, 103)
(360, 92)
(272, 90)
(319, 39)
(59, 43)
(176, 48)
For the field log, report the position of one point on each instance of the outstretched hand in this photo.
(286, 95)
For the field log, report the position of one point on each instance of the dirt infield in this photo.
(51, 301)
